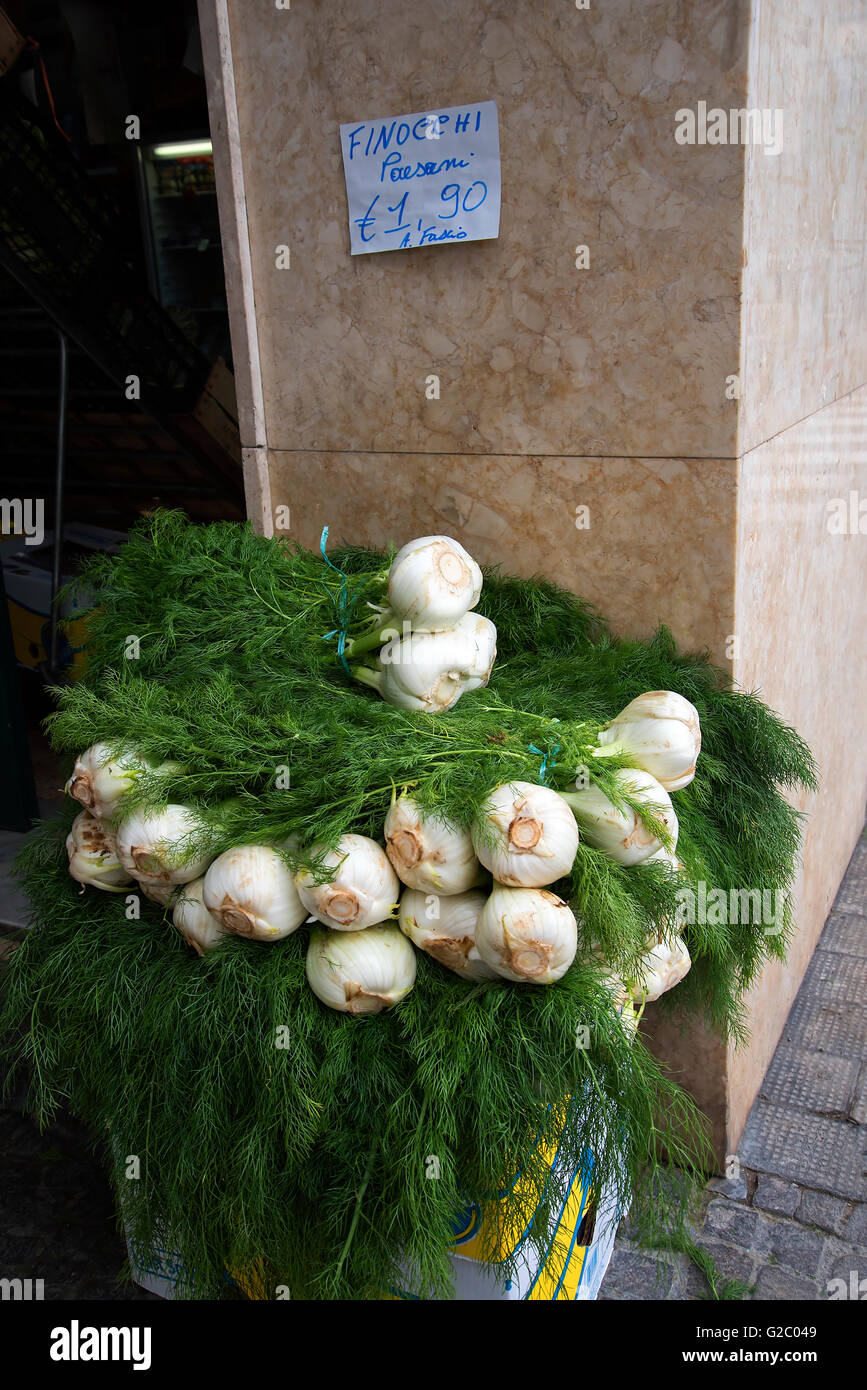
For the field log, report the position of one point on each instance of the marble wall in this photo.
(534, 355)
(799, 584)
(658, 546)
(804, 286)
(605, 388)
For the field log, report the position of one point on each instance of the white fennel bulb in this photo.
(433, 581)
(445, 928)
(526, 835)
(527, 934)
(100, 778)
(665, 856)
(660, 732)
(428, 853)
(199, 927)
(93, 855)
(252, 892)
(363, 891)
(629, 1017)
(429, 671)
(622, 834)
(360, 972)
(161, 893)
(155, 845)
(624, 1002)
(482, 633)
(663, 966)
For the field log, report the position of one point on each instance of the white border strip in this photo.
(215, 30)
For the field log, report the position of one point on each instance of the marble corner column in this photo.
(608, 388)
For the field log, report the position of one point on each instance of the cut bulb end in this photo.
(358, 1001)
(453, 570)
(445, 691)
(450, 951)
(82, 791)
(531, 959)
(235, 919)
(525, 832)
(147, 864)
(342, 906)
(404, 849)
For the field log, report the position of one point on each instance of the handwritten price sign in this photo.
(427, 178)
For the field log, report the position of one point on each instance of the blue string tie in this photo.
(342, 605)
(544, 756)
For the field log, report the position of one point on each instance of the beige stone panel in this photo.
(257, 490)
(234, 232)
(694, 1056)
(534, 356)
(659, 546)
(800, 620)
(805, 276)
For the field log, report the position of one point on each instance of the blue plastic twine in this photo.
(544, 756)
(342, 605)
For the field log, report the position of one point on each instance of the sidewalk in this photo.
(796, 1218)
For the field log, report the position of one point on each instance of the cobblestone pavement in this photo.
(796, 1218)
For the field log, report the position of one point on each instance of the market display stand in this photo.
(576, 1254)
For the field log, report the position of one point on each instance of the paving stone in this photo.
(796, 1247)
(772, 1194)
(820, 1209)
(833, 1027)
(731, 1222)
(639, 1275)
(846, 932)
(817, 1152)
(730, 1261)
(733, 1188)
(811, 1080)
(852, 896)
(858, 1108)
(855, 1231)
(832, 975)
(777, 1284)
(853, 1273)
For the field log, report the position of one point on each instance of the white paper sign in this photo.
(427, 178)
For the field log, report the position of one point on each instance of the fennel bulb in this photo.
(427, 853)
(161, 893)
(445, 929)
(199, 927)
(360, 972)
(363, 891)
(664, 966)
(660, 732)
(93, 855)
(526, 835)
(100, 778)
(622, 834)
(432, 582)
(429, 671)
(154, 845)
(527, 934)
(252, 893)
